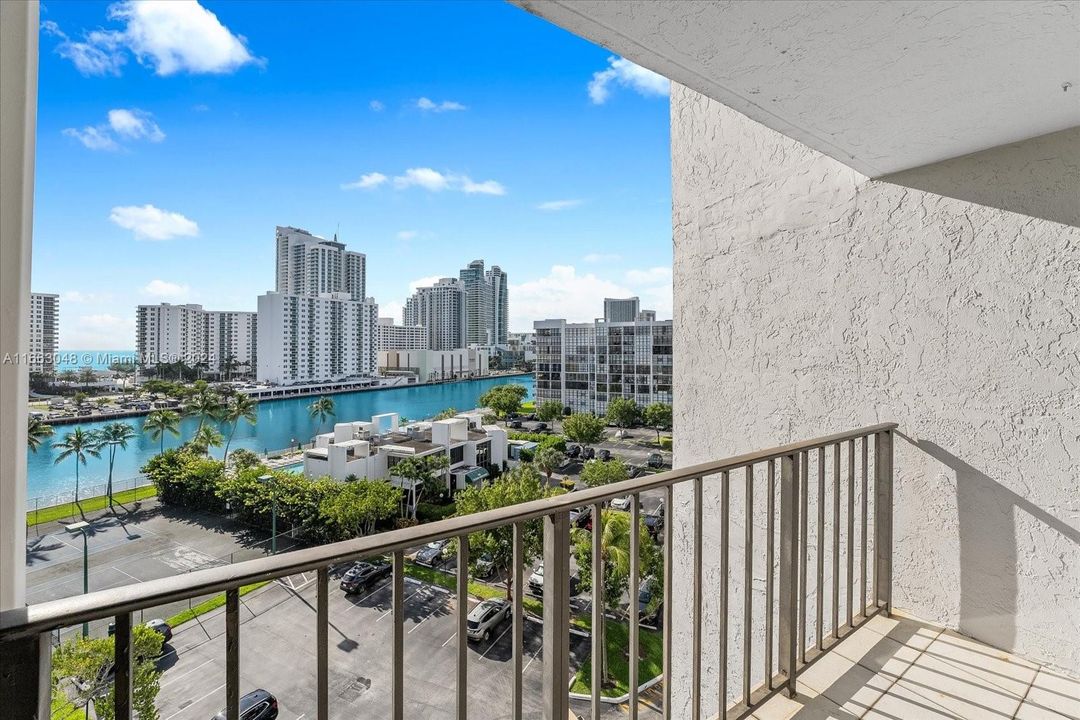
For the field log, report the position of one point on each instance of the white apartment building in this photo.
(401, 337)
(372, 449)
(44, 331)
(486, 302)
(441, 308)
(434, 365)
(225, 340)
(310, 265)
(309, 339)
(585, 365)
(621, 309)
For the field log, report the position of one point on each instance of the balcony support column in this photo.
(25, 678)
(883, 519)
(788, 611)
(556, 616)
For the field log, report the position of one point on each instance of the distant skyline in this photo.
(174, 137)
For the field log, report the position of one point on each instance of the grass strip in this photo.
(71, 509)
(62, 709)
(207, 605)
(616, 644)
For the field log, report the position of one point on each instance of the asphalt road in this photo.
(277, 653)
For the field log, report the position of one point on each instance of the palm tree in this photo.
(205, 438)
(77, 444)
(548, 459)
(321, 409)
(615, 555)
(241, 406)
(159, 422)
(207, 405)
(115, 435)
(36, 431)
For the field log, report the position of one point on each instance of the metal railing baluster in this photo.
(851, 533)
(597, 611)
(123, 663)
(722, 621)
(862, 535)
(819, 607)
(695, 660)
(556, 632)
(462, 685)
(836, 543)
(517, 569)
(322, 638)
(803, 468)
(232, 654)
(397, 702)
(770, 556)
(635, 571)
(789, 639)
(669, 505)
(748, 582)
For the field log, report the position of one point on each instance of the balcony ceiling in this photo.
(879, 86)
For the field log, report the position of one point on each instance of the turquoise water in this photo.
(94, 359)
(281, 424)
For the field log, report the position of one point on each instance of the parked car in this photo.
(572, 451)
(485, 566)
(157, 625)
(654, 521)
(363, 575)
(581, 517)
(530, 417)
(516, 424)
(622, 503)
(433, 553)
(536, 581)
(588, 453)
(656, 460)
(634, 470)
(604, 455)
(485, 617)
(540, 427)
(645, 595)
(256, 705)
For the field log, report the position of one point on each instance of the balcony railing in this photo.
(25, 633)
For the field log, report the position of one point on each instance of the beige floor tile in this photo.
(849, 685)
(1054, 691)
(1009, 672)
(961, 692)
(1032, 711)
(912, 633)
(801, 707)
(879, 654)
(905, 703)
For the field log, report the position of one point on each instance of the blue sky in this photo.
(173, 137)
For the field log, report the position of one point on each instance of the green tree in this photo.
(657, 415)
(423, 474)
(357, 506)
(77, 444)
(445, 414)
(160, 422)
(597, 472)
(548, 460)
(504, 399)
(319, 410)
(115, 436)
(549, 410)
(86, 377)
(520, 484)
(79, 398)
(36, 431)
(583, 428)
(240, 406)
(615, 555)
(85, 663)
(206, 404)
(622, 412)
(205, 438)
(243, 459)
(69, 376)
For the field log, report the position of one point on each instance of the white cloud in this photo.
(629, 75)
(651, 276)
(393, 310)
(76, 297)
(601, 257)
(366, 182)
(377, 105)
(151, 223)
(169, 37)
(435, 181)
(93, 138)
(424, 282)
(166, 290)
(428, 105)
(100, 331)
(123, 124)
(556, 205)
(201, 107)
(407, 234)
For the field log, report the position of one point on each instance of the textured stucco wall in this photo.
(810, 299)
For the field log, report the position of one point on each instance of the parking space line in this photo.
(195, 702)
(126, 573)
(522, 669)
(403, 603)
(497, 641)
(433, 611)
(357, 603)
(177, 677)
(449, 639)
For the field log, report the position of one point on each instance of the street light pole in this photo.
(266, 480)
(80, 527)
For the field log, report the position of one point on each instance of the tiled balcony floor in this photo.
(899, 668)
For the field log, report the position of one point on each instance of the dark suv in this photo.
(256, 705)
(363, 575)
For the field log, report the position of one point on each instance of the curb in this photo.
(620, 698)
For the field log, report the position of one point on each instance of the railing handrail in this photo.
(64, 612)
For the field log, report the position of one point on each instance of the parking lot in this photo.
(277, 653)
